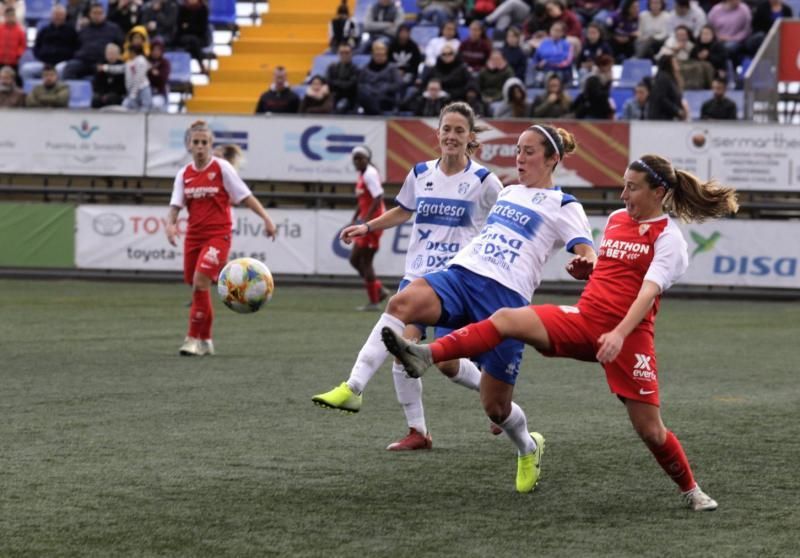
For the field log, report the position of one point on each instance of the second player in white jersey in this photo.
(450, 210)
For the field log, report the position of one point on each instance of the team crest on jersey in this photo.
(644, 228)
(463, 187)
(211, 175)
(539, 197)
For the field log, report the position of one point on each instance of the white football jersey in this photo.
(450, 210)
(523, 229)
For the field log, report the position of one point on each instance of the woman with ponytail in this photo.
(642, 254)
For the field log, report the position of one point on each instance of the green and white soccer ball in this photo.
(245, 285)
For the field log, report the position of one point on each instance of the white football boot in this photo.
(697, 500)
(191, 347)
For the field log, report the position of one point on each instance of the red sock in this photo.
(674, 462)
(469, 341)
(374, 290)
(200, 315)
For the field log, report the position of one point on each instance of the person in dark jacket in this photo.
(342, 78)
(57, 41)
(554, 102)
(158, 74)
(93, 40)
(191, 34)
(343, 28)
(404, 53)
(709, 49)
(593, 100)
(431, 102)
(718, 107)
(279, 98)
(380, 84)
(125, 13)
(765, 14)
(513, 53)
(160, 17)
(318, 98)
(666, 97)
(108, 84)
(451, 72)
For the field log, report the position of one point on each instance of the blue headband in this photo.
(657, 177)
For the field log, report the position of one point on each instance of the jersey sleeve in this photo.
(670, 260)
(372, 180)
(178, 199)
(491, 189)
(407, 196)
(233, 183)
(574, 226)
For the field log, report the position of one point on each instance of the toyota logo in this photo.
(108, 224)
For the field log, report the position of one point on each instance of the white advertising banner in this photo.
(752, 157)
(133, 237)
(293, 149)
(67, 142)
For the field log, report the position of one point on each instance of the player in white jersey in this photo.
(449, 199)
(501, 267)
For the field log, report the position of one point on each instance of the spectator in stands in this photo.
(688, 13)
(448, 35)
(509, 13)
(594, 46)
(708, 49)
(192, 30)
(731, 22)
(93, 39)
(654, 28)
(19, 10)
(481, 9)
(108, 84)
(342, 77)
(279, 98)
(476, 48)
(231, 153)
(404, 53)
(11, 95)
(13, 41)
(718, 107)
(593, 100)
(554, 102)
(439, 11)
(139, 95)
(589, 11)
(473, 98)
(554, 55)
(78, 13)
(380, 83)
(432, 100)
(556, 11)
(666, 96)
(515, 101)
(342, 29)
(51, 93)
(766, 13)
(624, 29)
(318, 98)
(55, 43)
(160, 18)
(635, 108)
(136, 36)
(679, 44)
(382, 20)
(513, 53)
(492, 78)
(124, 13)
(451, 71)
(160, 69)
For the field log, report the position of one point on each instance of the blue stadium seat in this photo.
(620, 95)
(80, 93)
(37, 10)
(180, 73)
(321, 63)
(222, 13)
(361, 60)
(421, 34)
(361, 8)
(411, 9)
(696, 97)
(633, 70)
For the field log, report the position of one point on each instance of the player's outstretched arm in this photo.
(391, 218)
(611, 341)
(582, 265)
(172, 225)
(252, 203)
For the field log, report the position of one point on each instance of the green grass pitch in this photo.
(111, 444)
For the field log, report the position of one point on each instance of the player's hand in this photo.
(349, 233)
(580, 267)
(270, 230)
(172, 234)
(610, 346)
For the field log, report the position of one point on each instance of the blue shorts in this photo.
(437, 331)
(467, 298)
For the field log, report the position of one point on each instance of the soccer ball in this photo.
(244, 285)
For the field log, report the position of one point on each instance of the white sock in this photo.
(468, 375)
(409, 395)
(516, 427)
(372, 354)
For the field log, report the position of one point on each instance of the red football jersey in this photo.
(207, 194)
(630, 252)
(368, 187)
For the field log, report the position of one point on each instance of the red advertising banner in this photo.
(789, 65)
(600, 159)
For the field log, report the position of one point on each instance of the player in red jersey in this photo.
(207, 187)
(369, 194)
(641, 255)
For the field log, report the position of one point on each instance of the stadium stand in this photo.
(633, 70)
(80, 91)
(696, 98)
(222, 13)
(37, 10)
(421, 34)
(180, 76)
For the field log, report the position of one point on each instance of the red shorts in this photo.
(370, 240)
(207, 256)
(632, 375)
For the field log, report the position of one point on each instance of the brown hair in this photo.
(230, 152)
(564, 140)
(687, 197)
(197, 126)
(466, 111)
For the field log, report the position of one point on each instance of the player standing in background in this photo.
(207, 187)
(369, 195)
(450, 199)
(642, 254)
(231, 153)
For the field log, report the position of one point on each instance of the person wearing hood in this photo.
(493, 76)
(380, 83)
(160, 68)
(136, 36)
(451, 71)
(515, 101)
